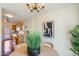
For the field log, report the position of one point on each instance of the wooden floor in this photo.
(21, 50)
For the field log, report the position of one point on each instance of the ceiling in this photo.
(20, 10)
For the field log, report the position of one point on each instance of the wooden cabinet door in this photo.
(14, 27)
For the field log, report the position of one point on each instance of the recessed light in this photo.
(9, 15)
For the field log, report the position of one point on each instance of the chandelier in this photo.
(35, 6)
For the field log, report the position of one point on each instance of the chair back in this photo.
(48, 44)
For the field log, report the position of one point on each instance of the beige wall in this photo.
(0, 28)
(65, 19)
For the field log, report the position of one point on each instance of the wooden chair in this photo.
(48, 44)
(7, 47)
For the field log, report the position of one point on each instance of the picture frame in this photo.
(48, 29)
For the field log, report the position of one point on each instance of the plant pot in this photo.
(33, 52)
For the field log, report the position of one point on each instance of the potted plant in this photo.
(33, 42)
(75, 40)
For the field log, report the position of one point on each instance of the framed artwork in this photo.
(48, 29)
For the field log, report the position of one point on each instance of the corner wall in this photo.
(78, 14)
(64, 20)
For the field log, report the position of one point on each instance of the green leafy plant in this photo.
(75, 40)
(34, 40)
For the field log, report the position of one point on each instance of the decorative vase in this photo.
(33, 52)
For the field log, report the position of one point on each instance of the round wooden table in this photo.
(21, 50)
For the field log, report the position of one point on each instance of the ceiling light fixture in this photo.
(35, 6)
